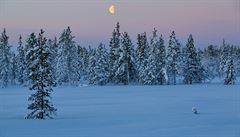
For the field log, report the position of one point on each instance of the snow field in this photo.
(127, 111)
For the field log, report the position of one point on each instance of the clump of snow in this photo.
(194, 110)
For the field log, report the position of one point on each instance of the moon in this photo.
(111, 9)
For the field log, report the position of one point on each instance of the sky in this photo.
(209, 21)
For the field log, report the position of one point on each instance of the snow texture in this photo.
(127, 111)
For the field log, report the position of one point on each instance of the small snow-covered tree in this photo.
(20, 60)
(102, 66)
(193, 70)
(142, 48)
(67, 72)
(142, 54)
(125, 67)
(5, 60)
(161, 62)
(83, 60)
(92, 67)
(224, 54)
(29, 48)
(114, 51)
(128, 52)
(42, 81)
(159, 52)
(149, 72)
(230, 74)
(173, 58)
(130, 56)
(53, 46)
(13, 68)
(211, 61)
(80, 63)
(154, 72)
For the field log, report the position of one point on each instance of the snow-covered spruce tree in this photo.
(142, 53)
(141, 50)
(114, 52)
(92, 67)
(14, 69)
(130, 56)
(203, 73)
(125, 67)
(80, 63)
(20, 61)
(160, 55)
(224, 54)
(161, 65)
(150, 71)
(42, 81)
(83, 60)
(101, 68)
(211, 61)
(5, 60)
(67, 72)
(29, 48)
(193, 70)
(173, 58)
(53, 46)
(154, 72)
(230, 74)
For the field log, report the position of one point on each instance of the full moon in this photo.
(111, 9)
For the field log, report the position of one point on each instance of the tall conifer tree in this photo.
(42, 81)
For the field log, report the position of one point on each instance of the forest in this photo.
(150, 61)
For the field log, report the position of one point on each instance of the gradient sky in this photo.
(208, 20)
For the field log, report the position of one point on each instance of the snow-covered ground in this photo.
(127, 111)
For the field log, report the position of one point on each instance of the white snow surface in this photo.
(127, 111)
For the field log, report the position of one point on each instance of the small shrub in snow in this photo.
(194, 110)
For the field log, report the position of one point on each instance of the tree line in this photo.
(151, 61)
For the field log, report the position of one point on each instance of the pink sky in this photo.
(208, 20)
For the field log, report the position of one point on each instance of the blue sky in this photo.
(208, 20)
